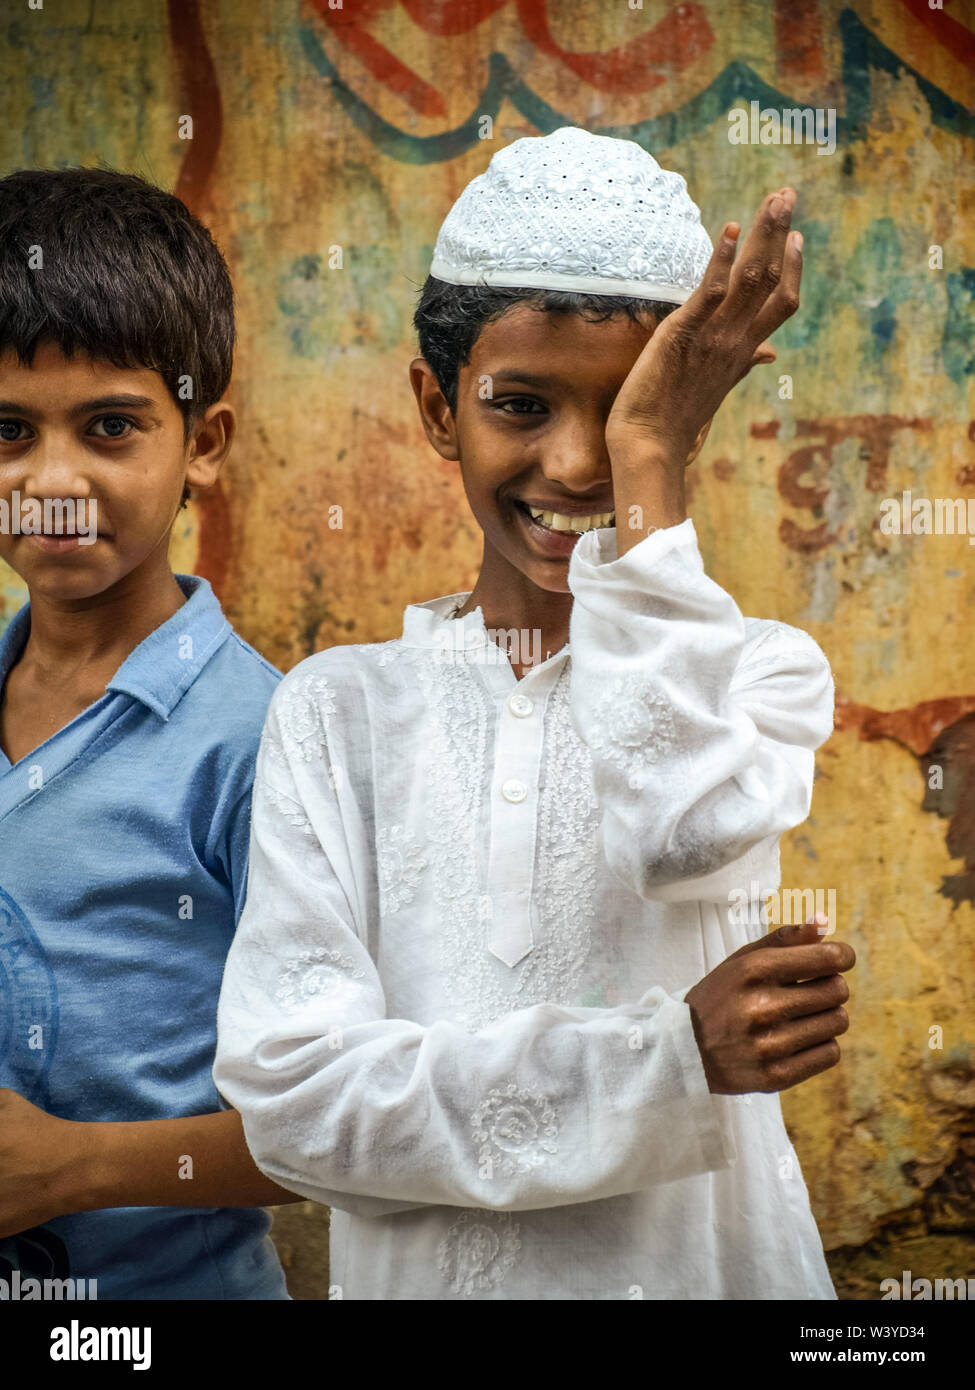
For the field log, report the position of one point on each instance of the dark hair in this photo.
(129, 276)
(449, 318)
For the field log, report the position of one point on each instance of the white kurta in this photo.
(453, 1009)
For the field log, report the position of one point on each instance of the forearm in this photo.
(648, 490)
(197, 1161)
(512, 1105)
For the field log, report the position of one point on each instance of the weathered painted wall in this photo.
(356, 128)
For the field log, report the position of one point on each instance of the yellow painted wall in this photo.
(357, 129)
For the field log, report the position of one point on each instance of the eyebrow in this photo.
(122, 401)
(525, 378)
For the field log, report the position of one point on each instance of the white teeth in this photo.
(556, 521)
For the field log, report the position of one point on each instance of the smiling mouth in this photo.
(561, 522)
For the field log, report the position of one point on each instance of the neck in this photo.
(98, 633)
(509, 599)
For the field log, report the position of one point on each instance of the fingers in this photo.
(712, 290)
(798, 933)
(758, 270)
(783, 303)
(783, 1074)
(792, 934)
(811, 997)
(787, 965)
(802, 1033)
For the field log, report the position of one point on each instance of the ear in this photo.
(209, 445)
(698, 443)
(435, 413)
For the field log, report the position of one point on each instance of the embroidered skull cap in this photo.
(575, 211)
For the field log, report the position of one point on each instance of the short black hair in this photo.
(129, 276)
(449, 318)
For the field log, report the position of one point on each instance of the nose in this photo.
(575, 453)
(52, 469)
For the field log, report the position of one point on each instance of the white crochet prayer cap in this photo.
(575, 211)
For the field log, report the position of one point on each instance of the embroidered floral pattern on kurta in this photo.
(454, 1006)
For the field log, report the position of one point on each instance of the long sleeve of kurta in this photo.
(546, 1106)
(702, 725)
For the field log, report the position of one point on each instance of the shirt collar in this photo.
(166, 663)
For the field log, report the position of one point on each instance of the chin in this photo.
(552, 577)
(51, 584)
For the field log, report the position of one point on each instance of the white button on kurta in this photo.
(453, 1008)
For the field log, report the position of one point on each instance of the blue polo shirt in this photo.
(123, 856)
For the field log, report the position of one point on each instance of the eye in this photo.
(513, 401)
(111, 422)
(6, 425)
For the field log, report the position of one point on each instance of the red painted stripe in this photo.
(915, 726)
(956, 37)
(215, 548)
(448, 18)
(200, 95)
(349, 27)
(200, 98)
(799, 41)
(680, 38)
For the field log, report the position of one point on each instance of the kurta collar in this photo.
(428, 624)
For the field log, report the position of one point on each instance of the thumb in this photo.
(795, 934)
(764, 354)
(799, 933)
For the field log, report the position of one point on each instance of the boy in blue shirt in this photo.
(130, 716)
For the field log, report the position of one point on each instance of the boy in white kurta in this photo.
(454, 1009)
